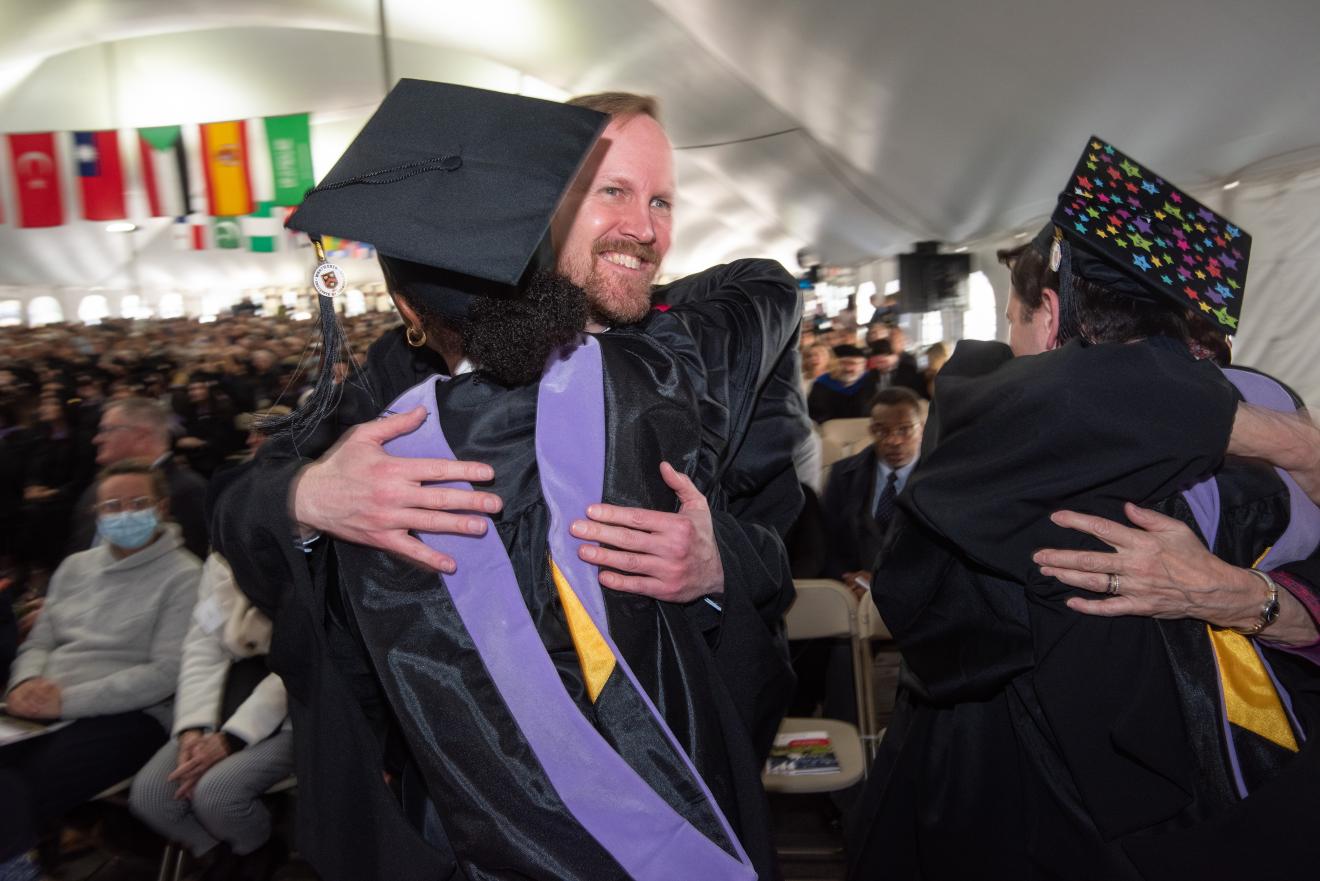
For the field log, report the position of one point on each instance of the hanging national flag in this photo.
(100, 175)
(293, 238)
(261, 230)
(228, 233)
(165, 170)
(36, 179)
(290, 141)
(224, 156)
(335, 247)
(190, 233)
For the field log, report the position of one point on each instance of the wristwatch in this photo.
(1269, 612)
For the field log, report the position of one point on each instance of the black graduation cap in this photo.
(455, 187)
(457, 179)
(1136, 234)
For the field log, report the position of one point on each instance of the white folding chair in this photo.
(870, 627)
(825, 609)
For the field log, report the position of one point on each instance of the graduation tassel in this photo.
(328, 279)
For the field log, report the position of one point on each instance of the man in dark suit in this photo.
(896, 367)
(859, 498)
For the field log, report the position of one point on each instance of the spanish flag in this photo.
(225, 158)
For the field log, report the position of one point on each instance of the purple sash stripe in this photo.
(1303, 532)
(606, 796)
(1297, 542)
(570, 450)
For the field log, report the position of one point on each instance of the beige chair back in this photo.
(841, 438)
(823, 608)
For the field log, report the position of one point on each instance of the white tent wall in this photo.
(856, 127)
(1280, 321)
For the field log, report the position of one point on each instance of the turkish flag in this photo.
(36, 179)
(100, 176)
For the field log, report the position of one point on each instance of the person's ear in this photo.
(1049, 301)
(409, 314)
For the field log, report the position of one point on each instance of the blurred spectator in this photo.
(895, 366)
(817, 360)
(138, 428)
(57, 472)
(104, 654)
(209, 433)
(846, 391)
(936, 355)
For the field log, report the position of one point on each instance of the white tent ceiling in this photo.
(899, 120)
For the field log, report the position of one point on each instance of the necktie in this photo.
(884, 506)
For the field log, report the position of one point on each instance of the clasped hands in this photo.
(357, 492)
(35, 698)
(198, 752)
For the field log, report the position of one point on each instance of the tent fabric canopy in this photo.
(855, 127)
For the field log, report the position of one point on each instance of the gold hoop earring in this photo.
(416, 336)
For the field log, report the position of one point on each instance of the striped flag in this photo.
(261, 230)
(336, 248)
(189, 233)
(100, 175)
(165, 170)
(225, 158)
(32, 158)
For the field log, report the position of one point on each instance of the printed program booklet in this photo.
(802, 752)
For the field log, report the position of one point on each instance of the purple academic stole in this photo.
(1245, 675)
(611, 801)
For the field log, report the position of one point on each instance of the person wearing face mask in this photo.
(104, 656)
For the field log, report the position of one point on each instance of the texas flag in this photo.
(36, 179)
(100, 176)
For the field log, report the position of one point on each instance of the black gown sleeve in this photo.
(352, 827)
(1082, 427)
(1086, 428)
(1008, 442)
(741, 321)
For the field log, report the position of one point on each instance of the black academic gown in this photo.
(682, 386)
(1030, 741)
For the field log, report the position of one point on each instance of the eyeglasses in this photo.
(898, 432)
(119, 506)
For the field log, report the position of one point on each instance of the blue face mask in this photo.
(129, 530)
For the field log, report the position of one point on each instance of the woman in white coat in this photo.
(203, 788)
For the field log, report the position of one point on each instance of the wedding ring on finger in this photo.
(1113, 585)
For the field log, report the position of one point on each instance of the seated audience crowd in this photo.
(112, 632)
(149, 665)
